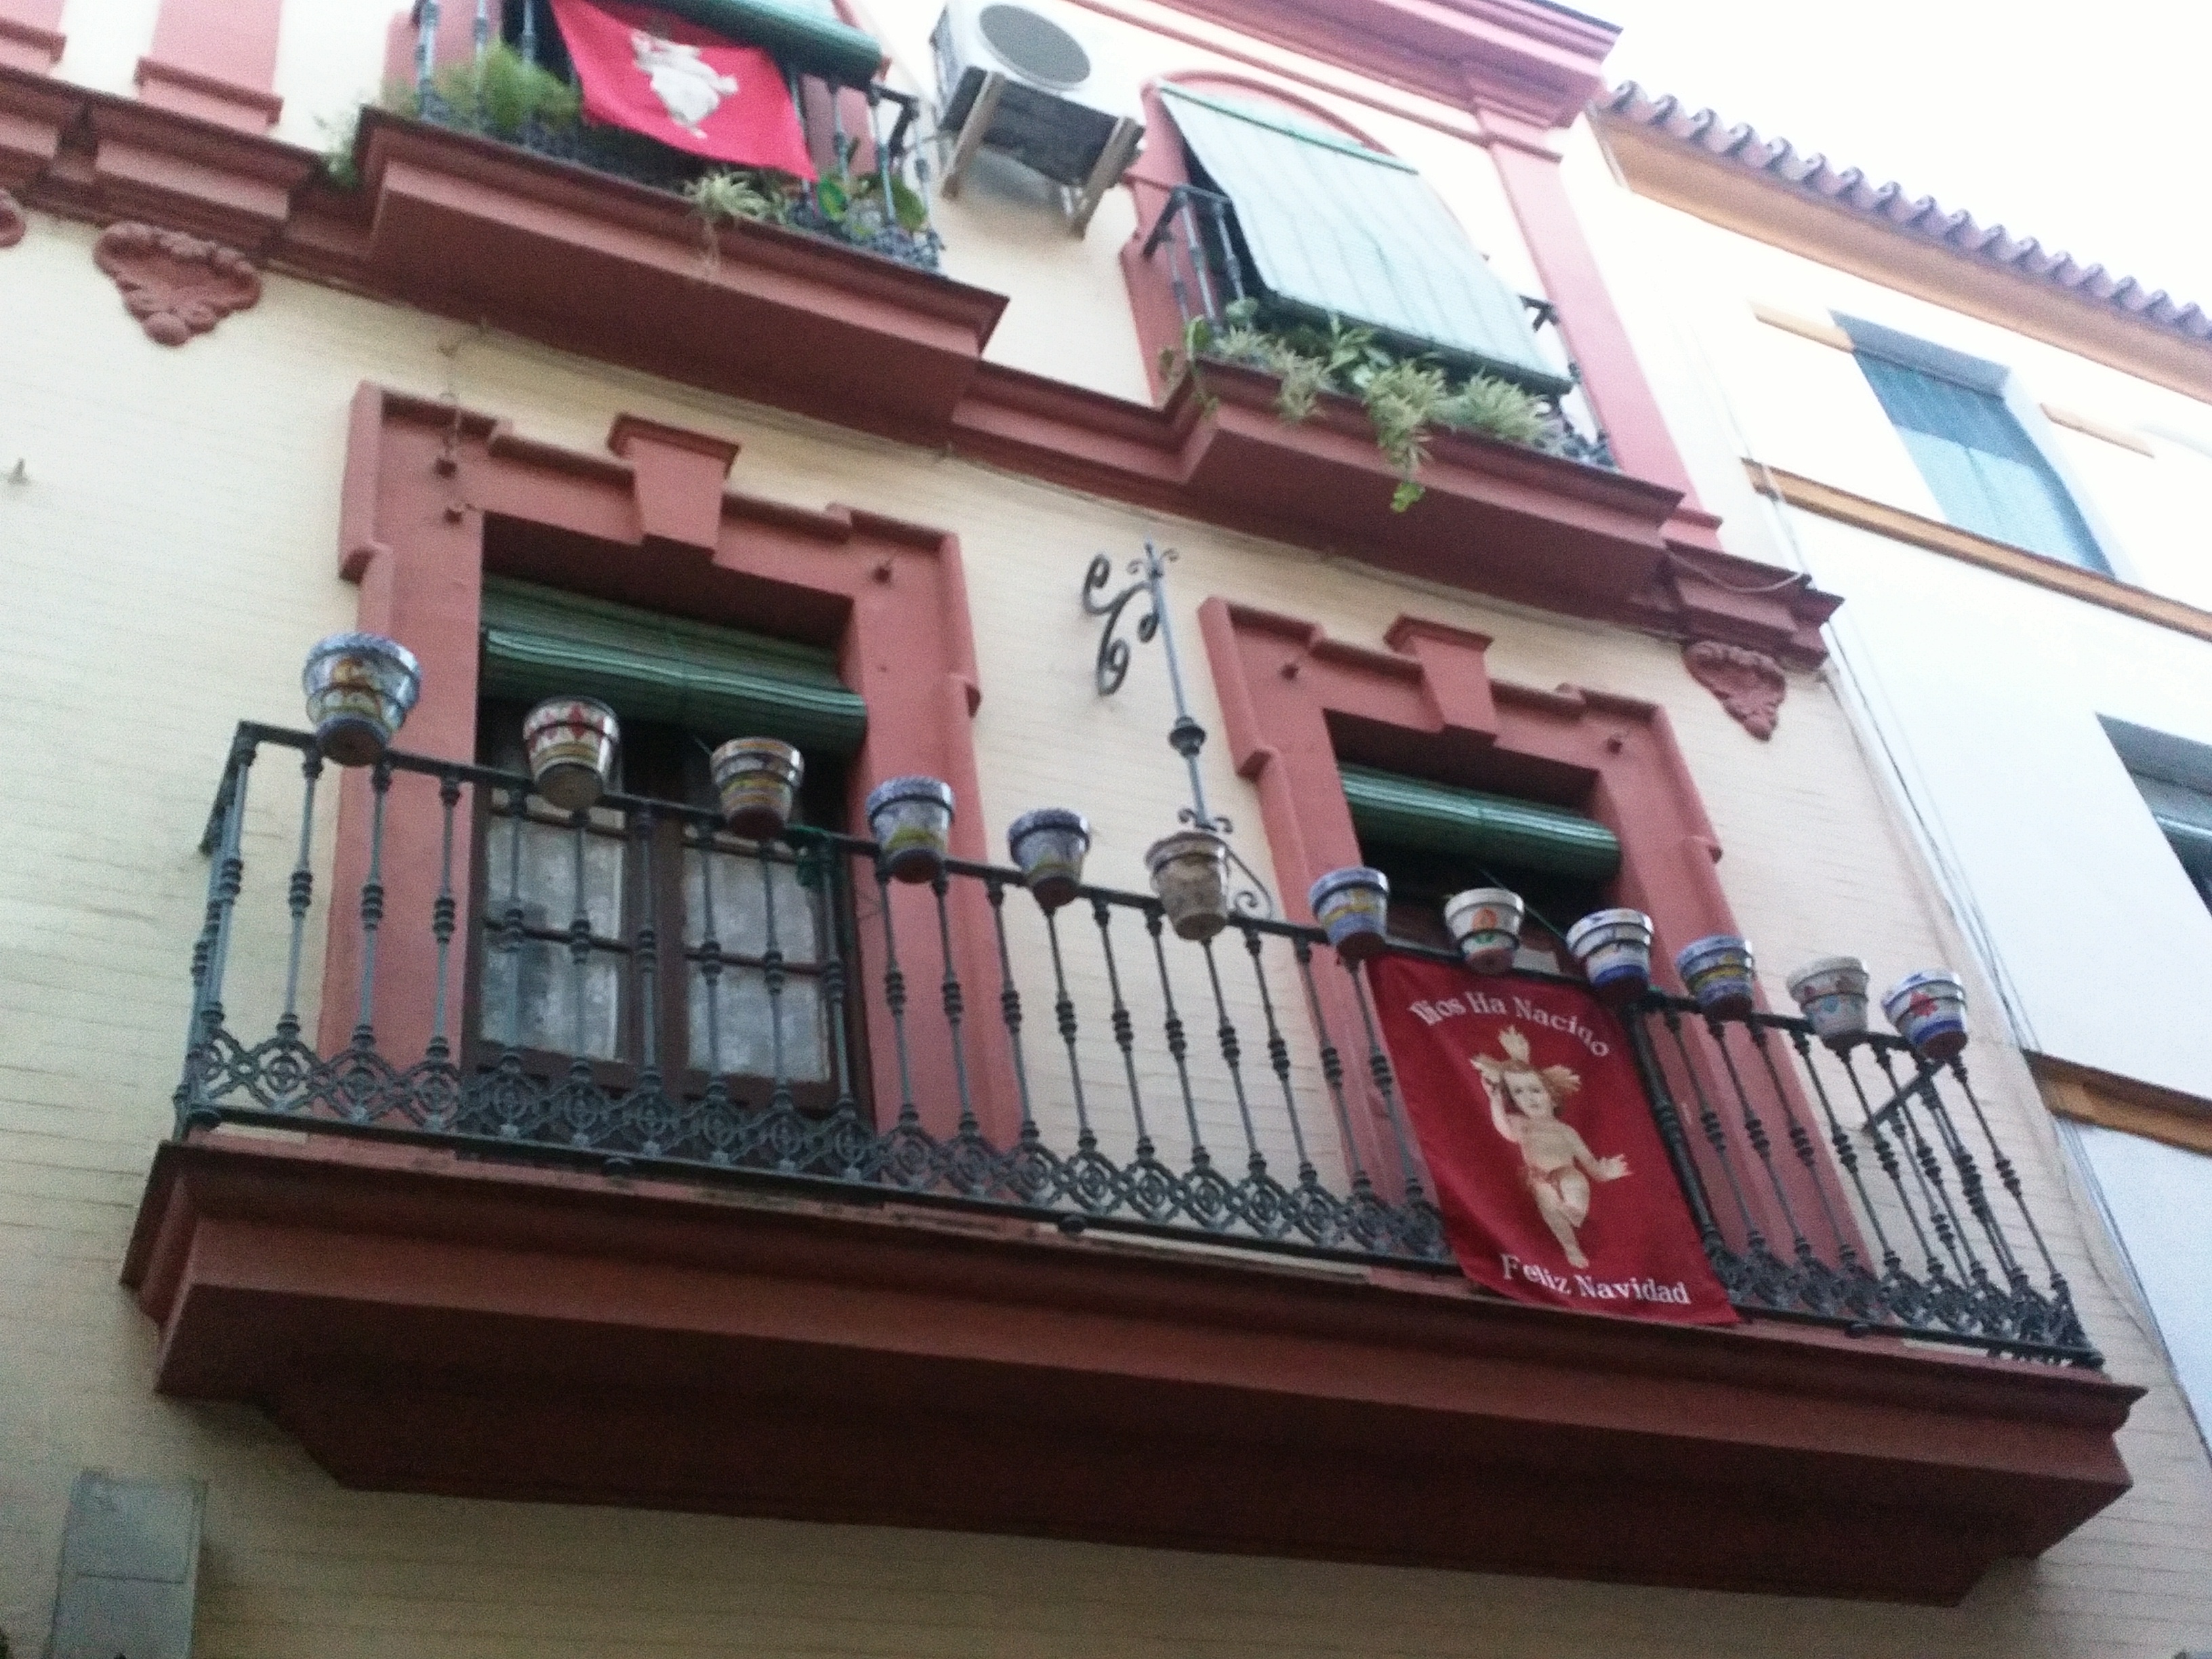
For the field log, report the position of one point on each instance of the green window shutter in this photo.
(806, 35)
(1400, 812)
(1338, 230)
(1980, 464)
(717, 682)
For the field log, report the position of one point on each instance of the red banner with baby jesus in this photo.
(1548, 1167)
(653, 73)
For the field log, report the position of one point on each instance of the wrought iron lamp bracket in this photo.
(1186, 737)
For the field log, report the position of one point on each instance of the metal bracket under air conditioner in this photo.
(1079, 204)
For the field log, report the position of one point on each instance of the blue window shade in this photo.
(1984, 470)
(1337, 230)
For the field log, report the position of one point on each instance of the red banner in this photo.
(1553, 1184)
(658, 75)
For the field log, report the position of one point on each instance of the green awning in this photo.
(1434, 817)
(808, 38)
(1338, 230)
(717, 682)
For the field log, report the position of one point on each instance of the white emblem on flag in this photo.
(690, 88)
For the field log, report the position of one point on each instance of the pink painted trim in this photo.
(1612, 378)
(30, 34)
(216, 60)
(1295, 704)
(655, 528)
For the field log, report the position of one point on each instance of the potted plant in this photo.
(570, 744)
(359, 688)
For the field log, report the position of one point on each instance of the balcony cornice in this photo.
(423, 1322)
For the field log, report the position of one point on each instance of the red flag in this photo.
(656, 74)
(1553, 1184)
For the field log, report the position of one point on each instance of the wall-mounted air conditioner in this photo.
(1028, 81)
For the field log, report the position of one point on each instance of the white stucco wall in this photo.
(1983, 690)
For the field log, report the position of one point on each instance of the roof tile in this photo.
(1920, 217)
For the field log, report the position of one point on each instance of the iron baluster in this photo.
(1171, 1028)
(226, 875)
(2060, 1291)
(772, 979)
(1332, 1068)
(300, 893)
(1716, 1132)
(1063, 1009)
(720, 1132)
(527, 42)
(1846, 1154)
(1754, 1130)
(847, 1133)
(1669, 1120)
(1010, 1002)
(895, 1000)
(1929, 1172)
(1279, 1058)
(1800, 1143)
(441, 917)
(1197, 259)
(372, 908)
(1378, 1066)
(480, 32)
(1233, 1056)
(511, 1090)
(426, 46)
(1886, 1155)
(954, 1007)
(1970, 1180)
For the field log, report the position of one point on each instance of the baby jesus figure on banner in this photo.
(1556, 1164)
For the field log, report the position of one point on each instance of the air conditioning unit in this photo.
(1028, 81)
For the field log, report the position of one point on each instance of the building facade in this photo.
(1999, 449)
(448, 1222)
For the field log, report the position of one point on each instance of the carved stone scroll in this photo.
(1749, 683)
(175, 285)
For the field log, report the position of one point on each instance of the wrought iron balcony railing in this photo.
(1195, 241)
(882, 209)
(633, 989)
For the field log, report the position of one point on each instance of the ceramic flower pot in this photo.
(1614, 950)
(570, 744)
(911, 819)
(1929, 1011)
(1832, 992)
(1048, 846)
(1717, 972)
(1353, 905)
(1486, 923)
(1190, 877)
(359, 688)
(757, 780)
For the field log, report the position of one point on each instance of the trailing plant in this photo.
(1406, 396)
(339, 169)
(728, 194)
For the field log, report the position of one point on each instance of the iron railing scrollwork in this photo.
(1237, 1091)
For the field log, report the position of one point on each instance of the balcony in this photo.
(638, 1164)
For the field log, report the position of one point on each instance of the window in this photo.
(1985, 470)
(2174, 778)
(1433, 841)
(678, 923)
(1326, 228)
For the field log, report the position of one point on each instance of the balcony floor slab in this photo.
(426, 1321)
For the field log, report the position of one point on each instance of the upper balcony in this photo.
(650, 1166)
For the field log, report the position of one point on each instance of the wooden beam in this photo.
(1897, 523)
(2089, 1095)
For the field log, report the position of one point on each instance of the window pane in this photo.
(545, 1015)
(1981, 466)
(741, 1037)
(530, 996)
(743, 886)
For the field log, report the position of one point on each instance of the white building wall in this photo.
(1983, 690)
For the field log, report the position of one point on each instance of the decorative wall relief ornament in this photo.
(1749, 683)
(12, 222)
(175, 285)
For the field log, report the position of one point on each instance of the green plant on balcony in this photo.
(1407, 396)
